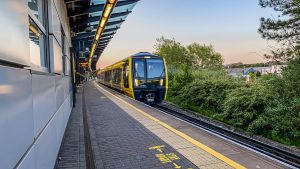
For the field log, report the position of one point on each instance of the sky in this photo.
(230, 26)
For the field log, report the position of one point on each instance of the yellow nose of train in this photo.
(142, 76)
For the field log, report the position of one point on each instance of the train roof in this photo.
(142, 54)
(137, 55)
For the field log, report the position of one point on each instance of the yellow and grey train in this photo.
(142, 76)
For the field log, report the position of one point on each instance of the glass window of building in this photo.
(63, 48)
(37, 8)
(37, 46)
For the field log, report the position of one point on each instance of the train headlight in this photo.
(136, 82)
(161, 82)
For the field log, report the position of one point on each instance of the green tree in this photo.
(178, 63)
(284, 28)
(252, 76)
(203, 56)
(193, 56)
(175, 54)
(258, 74)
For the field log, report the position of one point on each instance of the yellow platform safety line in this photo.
(186, 137)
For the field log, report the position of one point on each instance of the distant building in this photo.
(244, 72)
(264, 70)
(235, 72)
(249, 70)
(277, 69)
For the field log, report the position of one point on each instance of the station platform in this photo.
(109, 130)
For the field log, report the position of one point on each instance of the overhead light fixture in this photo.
(107, 10)
(102, 23)
(97, 36)
(98, 33)
(110, 4)
(94, 47)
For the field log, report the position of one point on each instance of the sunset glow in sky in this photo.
(229, 25)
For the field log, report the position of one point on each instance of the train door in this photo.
(126, 74)
(127, 79)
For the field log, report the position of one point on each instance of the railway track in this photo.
(287, 157)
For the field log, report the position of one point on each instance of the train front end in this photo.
(150, 80)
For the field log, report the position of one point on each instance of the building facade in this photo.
(35, 82)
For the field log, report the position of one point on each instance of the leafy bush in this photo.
(178, 80)
(207, 90)
(281, 120)
(243, 105)
(268, 105)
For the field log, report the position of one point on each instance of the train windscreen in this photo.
(155, 68)
(139, 68)
(149, 68)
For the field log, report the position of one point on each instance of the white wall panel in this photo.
(66, 86)
(44, 104)
(59, 117)
(29, 160)
(48, 144)
(55, 23)
(16, 115)
(59, 91)
(14, 33)
(68, 66)
(56, 56)
(46, 147)
(62, 14)
(32, 105)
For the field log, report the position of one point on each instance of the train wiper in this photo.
(162, 73)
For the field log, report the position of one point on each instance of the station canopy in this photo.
(85, 18)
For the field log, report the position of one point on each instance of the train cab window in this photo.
(155, 68)
(139, 69)
(126, 75)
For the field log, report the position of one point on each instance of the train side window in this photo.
(126, 74)
(117, 75)
(110, 75)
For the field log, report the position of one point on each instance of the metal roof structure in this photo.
(89, 39)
